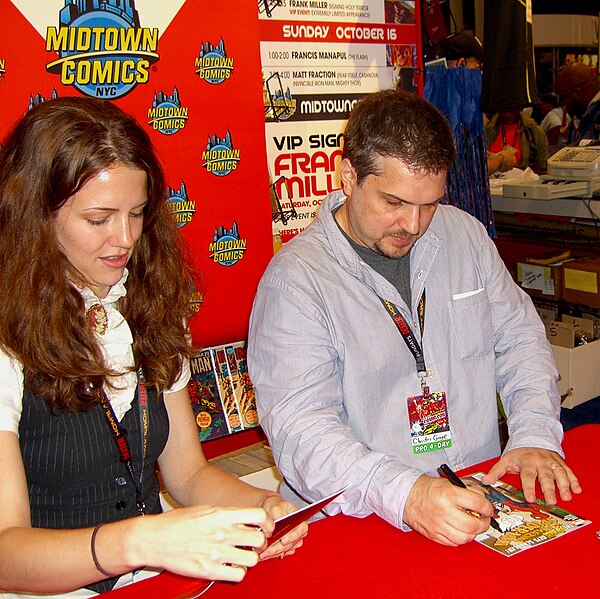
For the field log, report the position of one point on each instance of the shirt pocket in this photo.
(471, 321)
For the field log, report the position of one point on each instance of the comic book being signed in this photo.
(523, 524)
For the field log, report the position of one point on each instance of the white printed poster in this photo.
(318, 59)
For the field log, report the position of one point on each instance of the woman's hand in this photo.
(277, 507)
(204, 542)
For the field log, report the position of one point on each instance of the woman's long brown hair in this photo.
(52, 152)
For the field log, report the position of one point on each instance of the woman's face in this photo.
(98, 227)
(510, 116)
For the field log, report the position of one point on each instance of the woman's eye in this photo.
(138, 214)
(97, 223)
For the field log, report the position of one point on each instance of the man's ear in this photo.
(347, 177)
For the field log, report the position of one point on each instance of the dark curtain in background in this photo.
(508, 60)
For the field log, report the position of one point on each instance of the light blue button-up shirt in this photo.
(333, 374)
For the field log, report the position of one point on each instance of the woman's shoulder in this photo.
(11, 392)
(529, 122)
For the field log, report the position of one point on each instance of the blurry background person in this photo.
(461, 49)
(555, 121)
(579, 91)
(509, 130)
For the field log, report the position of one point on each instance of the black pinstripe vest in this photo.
(75, 475)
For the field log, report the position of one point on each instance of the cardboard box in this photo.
(579, 373)
(577, 364)
(547, 314)
(570, 331)
(581, 282)
(540, 281)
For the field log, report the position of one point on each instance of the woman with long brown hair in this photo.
(94, 356)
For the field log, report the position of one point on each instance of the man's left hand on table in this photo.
(531, 464)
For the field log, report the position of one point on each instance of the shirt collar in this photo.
(115, 293)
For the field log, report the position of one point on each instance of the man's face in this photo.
(469, 63)
(568, 95)
(389, 211)
(510, 116)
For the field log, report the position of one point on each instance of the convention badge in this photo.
(428, 421)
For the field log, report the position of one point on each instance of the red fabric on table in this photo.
(346, 557)
(164, 585)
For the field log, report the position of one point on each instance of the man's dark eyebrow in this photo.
(391, 196)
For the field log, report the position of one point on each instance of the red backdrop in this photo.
(234, 105)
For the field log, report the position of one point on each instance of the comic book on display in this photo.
(242, 385)
(226, 389)
(203, 389)
(523, 524)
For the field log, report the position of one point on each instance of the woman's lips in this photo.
(115, 261)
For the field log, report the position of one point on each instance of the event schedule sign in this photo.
(245, 102)
(318, 59)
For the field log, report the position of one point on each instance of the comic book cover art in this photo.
(400, 11)
(242, 385)
(226, 389)
(523, 524)
(206, 401)
(428, 420)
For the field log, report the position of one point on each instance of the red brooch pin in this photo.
(97, 318)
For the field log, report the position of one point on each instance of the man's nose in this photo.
(410, 219)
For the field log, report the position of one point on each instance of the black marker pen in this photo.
(455, 480)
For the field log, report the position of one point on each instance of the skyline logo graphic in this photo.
(220, 158)
(227, 248)
(35, 99)
(182, 208)
(280, 105)
(213, 65)
(103, 50)
(167, 116)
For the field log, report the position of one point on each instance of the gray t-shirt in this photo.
(395, 270)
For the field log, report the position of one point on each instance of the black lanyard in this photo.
(120, 437)
(409, 337)
(515, 137)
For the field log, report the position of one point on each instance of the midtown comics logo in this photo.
(182, 208)
(227, 248)
(103, 51)
(196, 301)
(213, 64)
(167, 116)
(220, 157)
(35, 99)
